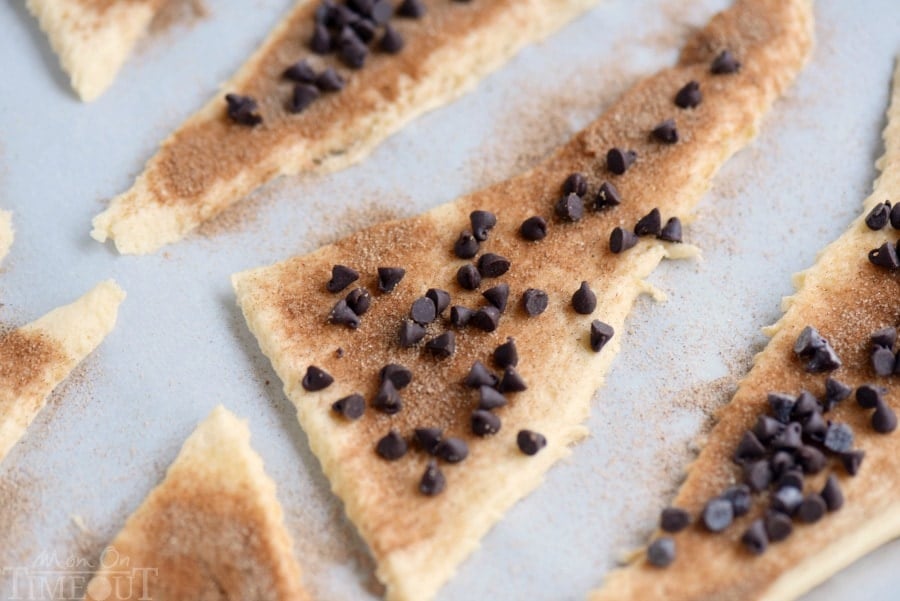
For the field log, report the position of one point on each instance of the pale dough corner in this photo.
(41, 354)
(6, 233)
(221, 509)
(93, 39)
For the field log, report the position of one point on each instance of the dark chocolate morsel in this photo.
(661, 552)
(792, 477)
(718, 514)
(885, 337)
(781, 462)
(814, 427)
(758, 475)
(442, 346)
(811, 459)
(452, 450)
(838, 438)
(399, 375)
(852, 460)
(755, 538)
(879, 216)
(320, 42)
(824, 359)
(492, 266)
(895, 216)
(649, 225)
(498, 296)
(808, 342)
(618, 161)
(482, 223)
(352, 407)
(468, 277)
(767, 428)
(428, 438)
(479, 376)
(739, 497)
(410, 333)
(666, 132)
(671, 231)
(382, 11)
(316, 379)
(535, 301)
(725, 63)
(790, 438)
(835, 392)
(341, 277)
(576, 183)
(689, 96)
(460, 316)
(359, 300)
(778, 526)
(621, 240)
(782, 406)
(242, 109)
(787, 499)
(389, 277)
(805, 405)
(387, 399)
(674, 519)
(749, 448)
(486, 318)
(601, 333)
(423, 310)
(330, 80)
(440, 298)
(607, 196)
(584, 301)
(301, 72)
(884, 420)
(489, 398)
(530, 442)
(534, 228)
(885, 256)
(869, 395)
(570, 208)
(391, 446)
(511, 381)
(391, 41)
(811, 509)
(484, 423)
(342, 314)
(832, 494)
(433, 480)
(414, 9)
(506, 355)
(304, 95)
(353, 50)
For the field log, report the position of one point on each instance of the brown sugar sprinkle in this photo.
(24, 359)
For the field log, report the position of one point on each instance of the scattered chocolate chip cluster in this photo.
(885, 361)
(886, 255)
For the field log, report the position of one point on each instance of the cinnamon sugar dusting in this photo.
(24, 358)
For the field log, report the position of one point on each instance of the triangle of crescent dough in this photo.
(93, 37)
(211, 530)
(6, 233)
(846, 299)
(35, 358)
(417, 541)
(210, 163)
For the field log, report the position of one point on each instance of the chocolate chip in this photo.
(895, 216)
(649, 225)
(884, 256)
(440, 298)
(739, 497)
(570, 208)
(482, 223)
(490, 398)
(452, 450)
(725, 63)
(584, 301)
(301, 72)
(466, 246)
(341, 277)
(486, 318)
(767, 428)
(320, 43)
(674, 519)
(433, 481)
(755, 538)
(479, 376)
(884, 420)
(885, 337)
(391, 446)
(530, 442)
(835, 392)
(852, 460)
(484, 423)
(511, 381)
(399, 375)
(718, 514)
(879, 216)
(749, 448)
(811, 459)
(621, 240)
(671, 231)
(758, 475)
(382, 11)
(389, 277)
(353, 51)
(793, 478)
(832, 494)
(497, 296)
(869, 395)
(661, 552)
(666, 132)
(428, 438)
(601, 333)
(410, 333)
(342, 16)
(413, 9)
(506, 354)
(534, 228)
(618, 161)
(361, 7)
(351, 407)
(330, 80)
(838, 438)
(883, 361)
(423, 311)
(607, 196)
(786, 500)
(814, 427)
(790, 438)
(824, 359)
(460, 316)
(387, 399)
(304, 95)
(442, 346)
(342, 314)
(778, 526)
(325, 13)
(316, 379)
(782, 406)
(535, 301)
(689, 96)
(391, 41)
(781, 462)
(576, 184)
(811, 509)
(808, 342)
(805, 405)
(359, 300)
(468, 277)
(242, 109)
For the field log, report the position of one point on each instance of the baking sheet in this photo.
(181, 346)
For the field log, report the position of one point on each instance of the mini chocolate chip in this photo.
(767, 428)
(852, 460)
(484, 423)
(320, 42)
(758, 475)
(489, 398)
(884, 256)
(479, 376)
(534, 228)
(511, 381)
(506, 354)
(440, 298)
(399, 375)
(895, 216)
(391, 41)
(674, 519)
(832, 494)
(576, 183)
(301, 72)
(452, 450)
(389, 277)
(607, 196)
(823, 360)
(814, 427)
(869, 395)
(749, 448)
(661, 552)
(304, 95)
(353, 51)
(410, 333)
(535, 301)
(621, 240)
(387, 399)
(781, 462)
(460, 316)
(584, 301)
(361, 7)
(884, 420)
(835, 392)
(570, 208)
(392, 446)
(482, 223)
(755, 538)
(885, 337)
(352, 407)
(787, 499)
(808, 342)
(343, 16)
(671, 231)
(618, 161)
(359, 300)
(414, 9)
(792, 477)
(423, 311)
(530, 442)
(666, 132)
(689, 96)
(718, 514)
(468, 277)
(433, 480)
(243, 110)
(325, 13)
(486, 318)
(811, 509)
(601, 333)
(838, 438)
(811, 459)
(466, 246)
(782, 405)
(341, 277)
(725, 63)
(316, 379)
(879, 216)
(382, 11)
(342, 314)
(805, 406)
(428, 438)
(330, 80)
(649, 225)
(790, 438)
(497, 296)
(778, 526)
(739, 497)
(442, 346)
